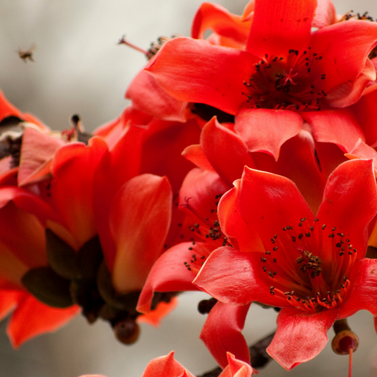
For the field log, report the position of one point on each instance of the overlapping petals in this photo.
(272, 207)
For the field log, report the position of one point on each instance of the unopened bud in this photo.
(345, 339)
(127, 331)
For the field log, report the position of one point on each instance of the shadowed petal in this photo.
(222, 333)
(265, 130)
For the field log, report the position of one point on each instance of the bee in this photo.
(26, 54)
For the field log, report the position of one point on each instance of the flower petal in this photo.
(237, 368)
(221, 21)
(166, 366)
(365, 111)
(280, 25)
(231, 277)
(32, 318)
(154, 317)
(241, 236)
(363, 294)
(37, 147)
(300, 336)
(337, 126)
(270, 202)
(221, 333)
(265, 130)
(349, 204)
(344, 48)
(325, 14)
(169, 273)
(148, 96)
(230, 162)
(297, 155)
(139, 222)
(195, 71)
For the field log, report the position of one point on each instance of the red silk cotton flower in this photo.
(287, 75)
(313, 267)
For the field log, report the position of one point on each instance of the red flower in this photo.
(166, 366)
(285, 75)
(22, 240)
(311, 267)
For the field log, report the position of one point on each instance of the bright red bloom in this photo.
(285, 75)
(313, 267)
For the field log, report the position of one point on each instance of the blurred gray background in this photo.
(79, 68)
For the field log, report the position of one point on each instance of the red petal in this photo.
(265, 130)
(7, 109)
(325, 14)
(300, 336)
(195, 154)
(270, 202)
(169, 273)
(195, 71)
(127, 148)
(148, 96)
(37, 147)
(280, 25)
(241, 236)
(199, 193)
(154, 317)
(222, 333)
(73, 169)
(344, 47)
(365, 111)
(338, 126)
(162, 149)
(221, 21)
(349, 204)
(32, 318)
(139, 222)
(166, 366)
(8, 300)
(363, 294)
(231, 277)
(237, 368)
(234, 155)
(297, 155)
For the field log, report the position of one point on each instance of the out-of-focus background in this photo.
(80, 69)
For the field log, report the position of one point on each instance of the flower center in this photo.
(291, 83)
(309, 266)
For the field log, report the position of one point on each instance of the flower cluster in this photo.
(244, 168)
